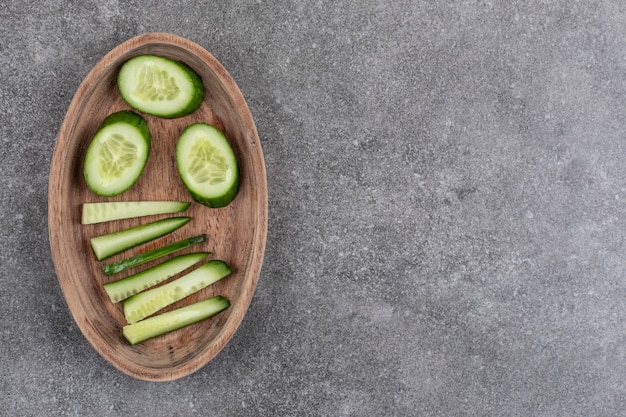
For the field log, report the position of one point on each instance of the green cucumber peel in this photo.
(142, 258)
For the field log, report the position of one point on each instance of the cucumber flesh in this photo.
(141, 305)
(142, 258)
(117, 154)
(123, 288)
(108, 245)
(207, 165)
(174, 320)
(160, 86)
(110, 210)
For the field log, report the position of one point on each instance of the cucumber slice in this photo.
(160, 86)
(142, 258)
(207, 165)
(108, 211)
(113, 243)
(117, 154)
(123, 288)
(174, 320)
(141, 305)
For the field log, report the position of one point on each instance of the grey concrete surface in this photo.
(447, 196)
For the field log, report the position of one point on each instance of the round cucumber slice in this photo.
(207, 165)
(160, 86)
(117, 153)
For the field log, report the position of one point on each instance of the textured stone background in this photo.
(447, 195)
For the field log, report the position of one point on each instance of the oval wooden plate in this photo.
(236, 233)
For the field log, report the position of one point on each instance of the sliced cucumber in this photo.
(207, 165)
(117, 153)
(111, 210)
(160, 86)
(123, 288)
(108, 245)
(141, 305)
(142, 258)
(174, 320)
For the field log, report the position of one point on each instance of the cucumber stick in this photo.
(123, 288)
(160, 86)
(117, 154)
(113, 243)
(142, 258)
(141, 305)
(207, 165)
(174, 320)
(108, 211)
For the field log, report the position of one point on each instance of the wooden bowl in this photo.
(236, 233)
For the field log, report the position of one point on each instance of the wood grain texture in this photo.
(235, 233)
